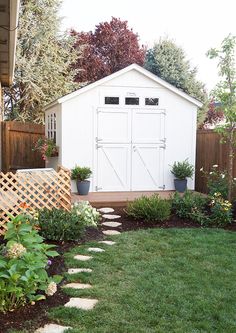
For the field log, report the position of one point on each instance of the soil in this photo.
(30, 317)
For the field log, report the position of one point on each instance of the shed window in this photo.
(52, 126)
(151, 101)
(132, 100)
(112, 100)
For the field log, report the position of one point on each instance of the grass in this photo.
(157, 280)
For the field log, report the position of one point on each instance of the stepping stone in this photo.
(95, 249)
(52, 328)
(81, 303)
(82, 257)
(77, 285)
(112, 224)
(111, 217)
(107, 242)
(106, 210)
(79, 270)
(110, 232)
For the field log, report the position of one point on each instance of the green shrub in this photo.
(221, 210)
(150, 208)
(190, 206)
(61, 225)
(80, 173)
(23, 263)
(182, 170)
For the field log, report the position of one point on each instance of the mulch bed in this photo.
(31, 317)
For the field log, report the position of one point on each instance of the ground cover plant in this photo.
(149, 208)
(157, 280)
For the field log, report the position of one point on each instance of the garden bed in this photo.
(30, 317)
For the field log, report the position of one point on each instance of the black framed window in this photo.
(112, 100)
(151, 101)
(131, 100)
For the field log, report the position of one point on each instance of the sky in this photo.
(195, 25)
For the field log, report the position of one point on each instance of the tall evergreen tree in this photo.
(43, 62)
(168, 61)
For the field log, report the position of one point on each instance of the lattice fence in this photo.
(37, 189)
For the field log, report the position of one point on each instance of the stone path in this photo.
(95, 249)
(106, 210)
(52, 328)
(81, 303)
(107, 242)
(79, 270)
(110, 232)
(82, 257)
(111, 217)
(112, 224)
(77, 285)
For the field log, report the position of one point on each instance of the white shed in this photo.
(128, 127)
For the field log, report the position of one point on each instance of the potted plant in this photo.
(81, 175)
(182, 170)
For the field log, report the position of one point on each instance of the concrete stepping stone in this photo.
(106, 210)
(107, 242)
(111, 216)
(77, 285)
(79, 270)
(95, 249)
(52, 328)
(112, 224)
(110, 232)
(81, 303)
(82, 257)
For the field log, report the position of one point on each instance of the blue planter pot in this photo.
(180, 185)
(83, 187)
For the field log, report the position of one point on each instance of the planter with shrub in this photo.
(182, 171)
(81, 175)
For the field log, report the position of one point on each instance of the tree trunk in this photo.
(230, 165)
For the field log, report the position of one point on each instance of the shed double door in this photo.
(130, 146)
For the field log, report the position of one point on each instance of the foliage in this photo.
(168, 61)
(149, 208)
(47, 147)
(190, 206)
(61, 225)
(111, 47)
(217, 181)
(44, 62)
(80, 173)
(182, 170)
(214, 114)
(221, 210)
(23, 264)
(225, 94)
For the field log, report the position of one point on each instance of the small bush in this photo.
(190, 206)
(80, 173)
(61, 225)
(150, 208)
(182, 170)
(23, 263)
(221, 210)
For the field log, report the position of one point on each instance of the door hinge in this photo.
(163, 147)
(97, 146)
(98, 139)
(97, 188)
(162, 187)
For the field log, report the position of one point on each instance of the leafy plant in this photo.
(221, 210)
(80, 173)
(190, 206)
(23, 263)
(150, 208)
(47, 147)
(182, 170)
(61, 225)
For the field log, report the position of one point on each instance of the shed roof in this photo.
(139, 69)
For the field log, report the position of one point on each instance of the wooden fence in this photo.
(17, 141)
(209, 151)
(35, 189)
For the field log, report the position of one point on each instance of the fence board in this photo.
(17, 140)
(209, 151)
(34, 188)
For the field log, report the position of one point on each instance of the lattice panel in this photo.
(37, 189)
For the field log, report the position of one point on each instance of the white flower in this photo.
(201, 169)
(210, 173)
(215, 166)
(51, 289)
(16, 250)
(222, 176)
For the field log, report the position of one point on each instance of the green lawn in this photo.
(172, 280)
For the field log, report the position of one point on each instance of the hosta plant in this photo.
(89, 215)
(23, 263)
